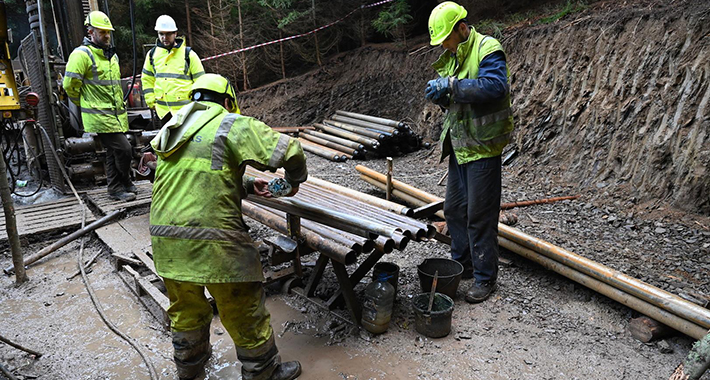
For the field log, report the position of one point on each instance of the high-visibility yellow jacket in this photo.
(196, 224)
(168, 75)
(475, 130)
(92, 80)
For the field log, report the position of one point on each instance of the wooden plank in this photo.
(60, 215)
(155, 301)
(100, 199)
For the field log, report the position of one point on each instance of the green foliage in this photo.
(292, 17)
(393, 19)
(491, 27)
(281, 6)
(569, 8)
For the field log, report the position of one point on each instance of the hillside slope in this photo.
(616, 97)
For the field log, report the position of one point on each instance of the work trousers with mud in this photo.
(118, 161)
(243, 313)
(471, 209)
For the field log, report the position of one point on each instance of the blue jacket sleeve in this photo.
(491, 84)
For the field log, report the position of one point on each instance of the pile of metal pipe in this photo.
(354, 135)
(668, 308)
(339, 222)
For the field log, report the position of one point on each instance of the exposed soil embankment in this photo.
(616, 97)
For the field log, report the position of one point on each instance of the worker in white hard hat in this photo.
(170, 69)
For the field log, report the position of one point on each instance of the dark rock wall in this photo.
(616, 96)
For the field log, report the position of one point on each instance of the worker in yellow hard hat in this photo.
(169, 70)
(474, 90)
(92, 81)
(198, 236)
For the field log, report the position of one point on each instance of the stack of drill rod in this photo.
(348, 135)
(667, 308)
(340, 223)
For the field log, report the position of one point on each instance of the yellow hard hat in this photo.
(442, 21)
(216, 84)
(98, 20)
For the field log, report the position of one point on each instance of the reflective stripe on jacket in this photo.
(167, 78)
(93, 82)
(473, 130)
(196, 224)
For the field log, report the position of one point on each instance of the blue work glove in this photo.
(436, 88)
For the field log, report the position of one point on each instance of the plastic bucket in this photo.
(436, 324)
(449, 275)
(390, 269)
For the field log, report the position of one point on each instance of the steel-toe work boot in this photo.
(131, 188)
(480, 291)
(122, 196)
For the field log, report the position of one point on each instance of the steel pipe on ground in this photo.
(330, 248)
(332, 145)
(372, 143)
(358, 130)
(374, 119)
(686, 327)
(366, 124)
(643, 291)
(649, 293)
(321, 150)
(338, 140)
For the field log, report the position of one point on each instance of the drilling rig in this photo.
(35, 109)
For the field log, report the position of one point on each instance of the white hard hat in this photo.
(165, 23)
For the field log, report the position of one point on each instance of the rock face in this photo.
(616, 96)
(620, 96)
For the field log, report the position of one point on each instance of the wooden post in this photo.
(389, 178)
(11, 225)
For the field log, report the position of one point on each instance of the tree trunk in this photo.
(362, 26)
(241, 43)
(11, 226)
(189, 22)
(281, 51)
(315, 34)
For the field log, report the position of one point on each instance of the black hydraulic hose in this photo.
(135, 51)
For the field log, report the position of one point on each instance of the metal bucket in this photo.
(449, 275)
(437, 324)
(390, 269)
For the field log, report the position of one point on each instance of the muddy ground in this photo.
(538, 325)
(610, 104)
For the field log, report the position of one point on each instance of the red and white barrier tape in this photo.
(290, 37)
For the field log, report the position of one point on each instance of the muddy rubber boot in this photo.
(192, 351)
(287, 371)
(260, 363)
